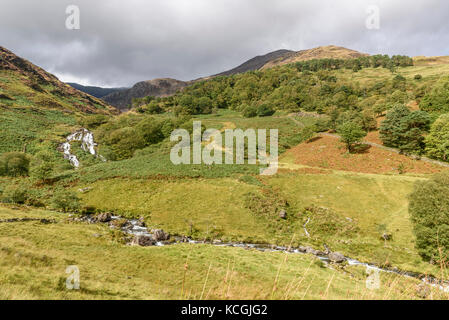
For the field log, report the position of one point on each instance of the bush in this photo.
(249, 112)
(65, 200)
(14, 194)
(42, 166)
(429, 213)
(265, 111)
(14, 164)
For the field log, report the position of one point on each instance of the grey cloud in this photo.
(122, 42)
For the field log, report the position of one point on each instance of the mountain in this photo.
(165, 87)
(25, 82)
(283, 56)
(97, 92)
(156, 87)
(256, 62)
(36, 108)
(325, 52)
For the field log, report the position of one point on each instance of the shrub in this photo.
(14, 164)
(65, 200)
(15, 194)
(249, 112)
(42, 166)
(429, 213)
(265, 110)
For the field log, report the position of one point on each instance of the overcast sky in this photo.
(122, 42)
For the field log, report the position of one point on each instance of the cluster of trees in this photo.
(291, 87)
(120, 137)
(429, 211)
(405, 129)
(356, 64)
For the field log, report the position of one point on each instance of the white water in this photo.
(87, 144)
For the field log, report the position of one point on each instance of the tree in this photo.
(249, 111)
(404, 129)
(42, 166)
(265, 110)
(14, 164)
(429, 213)
(350, 133)
(65, 200)
(438, 98)
(437, 141)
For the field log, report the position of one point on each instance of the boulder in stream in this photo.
(336, 257)
(160, 235)
(143, 240)
(103, 217)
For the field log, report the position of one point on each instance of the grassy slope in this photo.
(34, 259)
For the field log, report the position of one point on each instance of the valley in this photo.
(332, 193)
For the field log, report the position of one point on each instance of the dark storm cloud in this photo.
(122, 42)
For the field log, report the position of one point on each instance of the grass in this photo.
(34, 259)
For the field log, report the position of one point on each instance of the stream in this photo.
(138, 229)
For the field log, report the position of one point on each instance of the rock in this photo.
(142, 240)
(283, 214)
(160, 235)
(302, 249)
(84, 190)
(140, 222)
(387, 236)
(336, 257)
(103, 217)
(422, 290)
(314, 252)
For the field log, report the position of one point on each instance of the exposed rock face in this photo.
(157, 87)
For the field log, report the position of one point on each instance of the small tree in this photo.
(429, 212)
(65, 200)
(437, 141)
(42, 166)
(350, 133)
(14, 164)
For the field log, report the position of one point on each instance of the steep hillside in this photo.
(257, 62)
(97, 92)
(156, 87)
(34, 103)
(325, 52)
